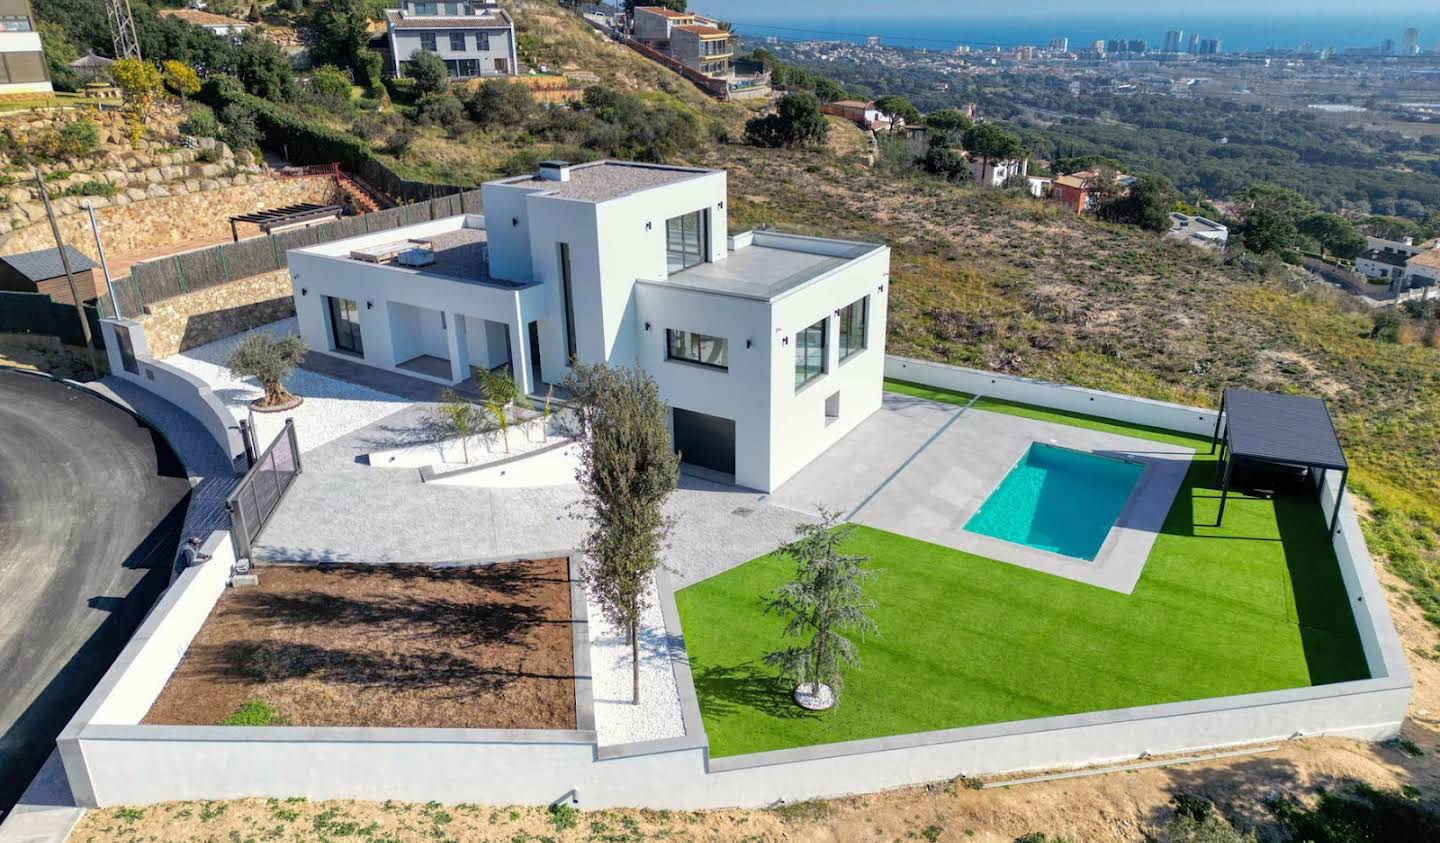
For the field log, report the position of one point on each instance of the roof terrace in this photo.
(765, 265)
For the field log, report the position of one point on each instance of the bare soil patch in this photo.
(352, 645)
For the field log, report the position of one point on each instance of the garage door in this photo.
(704, 440)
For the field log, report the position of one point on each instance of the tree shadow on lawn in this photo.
(727, 689)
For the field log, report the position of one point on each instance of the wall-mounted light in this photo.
(647, 326)
(514, 221)
(648, 226)
(882, 288)
(747, 343)
(369, 305)
(720, 204)
(785, 340)
(304, 291)
(837, 311)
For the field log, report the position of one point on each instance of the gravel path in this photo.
(658, 714)
(332, 407)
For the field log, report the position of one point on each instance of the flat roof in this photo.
(599, 181)
(1386, 257)
(764, 271)
(460, 253)
(1293, 429)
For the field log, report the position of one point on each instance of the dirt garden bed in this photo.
(399, 645)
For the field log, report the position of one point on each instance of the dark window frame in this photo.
(457, 38)
(845, 328)
(697, 340)
(567, 287)
(804, 373)
(428, 42)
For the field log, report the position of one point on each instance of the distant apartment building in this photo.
(1173, 39)
(1193, 45)
(1210, 47)
(474, 38)
(1058, 45)
(693, 40)
(1410, 42)
(23, 69)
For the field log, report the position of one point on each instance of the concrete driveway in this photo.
(89, 498)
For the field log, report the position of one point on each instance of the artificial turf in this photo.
(1255, 606)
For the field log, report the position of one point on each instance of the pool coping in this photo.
(1122, 557)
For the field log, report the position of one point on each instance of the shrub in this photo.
(797, 121)
(200, 122)
(254, 713)
(442, 110)
(1359, 813)
(78, 138)
(497, 102)
(330, 89)
(93, 187)
(241, 131)
(181, 78)
(428, 71)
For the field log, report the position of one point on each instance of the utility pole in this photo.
(69, 274)
(122, 29)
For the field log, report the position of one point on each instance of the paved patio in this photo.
(917, 467)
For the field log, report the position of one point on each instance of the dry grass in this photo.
(46, 354)
(479, 647)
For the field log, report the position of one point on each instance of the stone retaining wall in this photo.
(169, 213)
(187, 321)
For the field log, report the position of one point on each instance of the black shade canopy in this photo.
(1281, 428)
(1287, 430)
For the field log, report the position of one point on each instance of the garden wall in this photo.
(175, 385)
(1058, 396)
(111, 761)
(183, 322)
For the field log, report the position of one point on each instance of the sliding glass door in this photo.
(345, 325)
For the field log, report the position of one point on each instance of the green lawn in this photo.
(1255, 606)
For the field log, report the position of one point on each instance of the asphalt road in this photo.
(89, 500)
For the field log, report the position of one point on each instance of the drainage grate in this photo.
(742, 511)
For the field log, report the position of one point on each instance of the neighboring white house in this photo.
(218, 24)
(1387, 258)
(769, 347)
(23, 69)
(996, 173)
(1423, 270)
(1197, 231)
(474, 38)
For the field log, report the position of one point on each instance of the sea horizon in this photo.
(1236, 32)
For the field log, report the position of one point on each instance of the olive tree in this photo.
(628, 469)
(269, 360)
(822, 604)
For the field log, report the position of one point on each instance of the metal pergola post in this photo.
(1339, 495)
(1224, 491)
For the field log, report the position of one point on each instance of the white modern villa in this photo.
(769, 347)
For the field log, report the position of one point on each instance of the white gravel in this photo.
(658, 714)
(332, 407)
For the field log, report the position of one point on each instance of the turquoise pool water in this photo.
(1058, 500)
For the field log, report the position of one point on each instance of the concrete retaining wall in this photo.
(1056, 396)
(112, 763)
(175, 385)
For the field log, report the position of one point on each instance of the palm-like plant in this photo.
(461, 417)
(822, 604)
(498, 392)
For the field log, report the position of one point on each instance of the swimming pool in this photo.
(1058, 500)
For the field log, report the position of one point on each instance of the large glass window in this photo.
(457, 42)
(685, 238)
(427, 41)
(854, 319)
(697, 348)
(567, 290)
(810, 354)
(482, 41)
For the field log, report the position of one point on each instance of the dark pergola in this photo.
(1292, 431)
(285, 217)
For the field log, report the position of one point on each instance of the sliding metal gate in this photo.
(260, 490)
